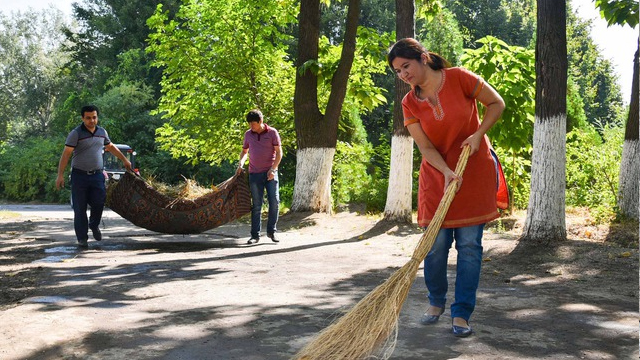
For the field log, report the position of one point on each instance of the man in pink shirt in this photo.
(263, 145)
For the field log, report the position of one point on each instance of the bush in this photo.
(30, 170)
(349, 172)
(286, 195)
(357, 178)
(593, 166)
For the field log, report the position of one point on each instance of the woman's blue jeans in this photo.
(257, 183)
(469, 247)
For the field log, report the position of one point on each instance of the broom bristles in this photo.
(368, 325)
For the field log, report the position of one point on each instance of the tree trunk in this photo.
(313, 173)
(545, 222)
(317, 133)
(629, 183)
(399, 192)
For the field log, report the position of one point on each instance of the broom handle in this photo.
(429, 236)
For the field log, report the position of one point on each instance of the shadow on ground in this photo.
(575, 301)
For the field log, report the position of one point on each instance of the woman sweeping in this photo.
(441, 114)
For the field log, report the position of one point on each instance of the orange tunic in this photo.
(447, 124)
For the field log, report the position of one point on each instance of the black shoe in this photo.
(273, 237)
(428, 319)
(461, 331)
(83, 244)
(253, 240)
(96, 234)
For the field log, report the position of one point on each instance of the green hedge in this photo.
(29, 171)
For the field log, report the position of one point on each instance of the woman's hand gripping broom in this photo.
(368, 326)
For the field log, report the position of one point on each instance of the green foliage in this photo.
(375, 34)
(125, 113)
(121, 106)
(30, 72)
(217, 59)
(220, 59)
(374, 14)
(349, 173)
(355, 179)
(379, 164)
(30, 170)
(594, 76)
(106, 31)
(621, 12)
(369, 60)
(510, 20)
(511, 71)
(442, 35)
(133, 66)
(286, 195)
(593, 163)
(111, 68)
(576, 117)
(428, 9)
(363, 95)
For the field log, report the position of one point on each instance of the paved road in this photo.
(148, 296)
(49, 211)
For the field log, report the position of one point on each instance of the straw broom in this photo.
(370, 323)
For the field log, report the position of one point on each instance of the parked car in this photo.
(113, 167)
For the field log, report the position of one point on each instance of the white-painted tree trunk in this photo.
(398, 206)
(312, 188)
(629, 183)
(546, 212)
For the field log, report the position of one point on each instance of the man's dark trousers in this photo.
(87, 190)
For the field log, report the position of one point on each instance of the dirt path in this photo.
(143, 295)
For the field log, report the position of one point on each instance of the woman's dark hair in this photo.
(254, 115)
(410, 48)
(89, 108)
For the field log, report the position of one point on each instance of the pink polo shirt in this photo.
(262, 153)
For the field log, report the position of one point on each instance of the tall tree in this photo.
(512, 21)
(31, 76)
(108, 28)
(629, 181)
(625, 12)
(221, 58)
(317, 132)
(441, 33)
(593, 75)
(399, 193)
(545, 222)
(109, 64)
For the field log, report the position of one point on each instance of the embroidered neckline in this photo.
(438, 111)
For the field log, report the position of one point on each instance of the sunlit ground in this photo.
(8, 215)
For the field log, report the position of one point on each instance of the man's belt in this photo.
(91, 172)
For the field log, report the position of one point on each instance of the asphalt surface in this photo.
(143, 295)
